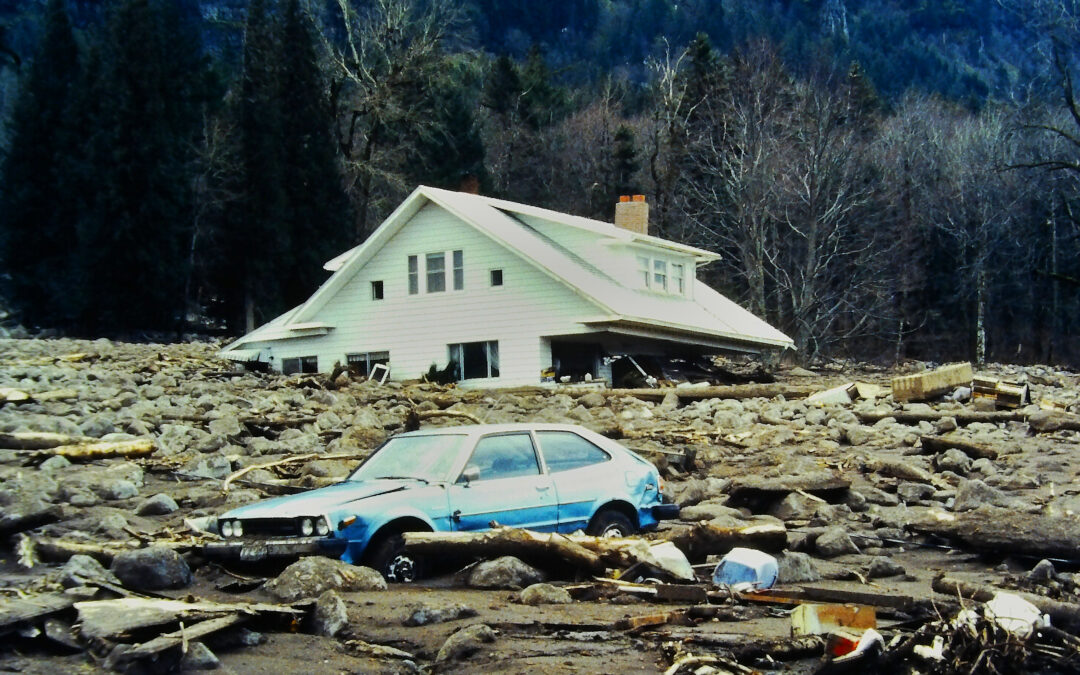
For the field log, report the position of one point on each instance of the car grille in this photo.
(271, 527)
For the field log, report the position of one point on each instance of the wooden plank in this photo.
(922, 386)
(16, 611)
(124, 654)
(935, 444)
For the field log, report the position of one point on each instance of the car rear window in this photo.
(565, 450)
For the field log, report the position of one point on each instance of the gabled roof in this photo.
(708, 313)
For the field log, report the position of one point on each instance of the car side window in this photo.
(504, 456)
(565, 450)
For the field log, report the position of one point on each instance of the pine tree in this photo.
(36, 214)
(141, 163)
(317, 208)
(626, 164)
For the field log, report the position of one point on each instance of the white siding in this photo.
(416, 329)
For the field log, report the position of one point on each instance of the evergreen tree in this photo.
(317, 208)
(543, 103)
(626, 164)
(141, 163)
(454, 153)
(36, 217)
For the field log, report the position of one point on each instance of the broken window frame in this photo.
(364, 362)
(466, 356)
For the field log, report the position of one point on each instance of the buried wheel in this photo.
(610, 523)
(390, 558)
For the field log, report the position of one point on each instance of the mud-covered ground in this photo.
(866, 507)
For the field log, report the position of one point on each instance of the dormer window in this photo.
(663, 275)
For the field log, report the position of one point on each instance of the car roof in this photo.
(481, 429)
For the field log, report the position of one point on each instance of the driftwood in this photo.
(736, 391)
(931, 383)
(1062, 614)
(281, 462)
(703, 539)
(39, 440)
(15, 612)
(744, 646)
(1003, 530)
(455, 414)
(803, 594)
(122, 654)
(53, 549)
(9, 395)
(114, 619)
(935, 444)
(962, 417)
(1052, 420)
(140, 447)
(507, 541)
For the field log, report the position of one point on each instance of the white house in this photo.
(507, 292)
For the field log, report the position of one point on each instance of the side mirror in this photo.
(470, 474)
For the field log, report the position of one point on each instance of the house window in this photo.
(678, 278)
(459, 270)
(659, 275)
(436, 272)
(376, 290)
(302, 364)
(643, 269)
(414, 275)
(363, 362)
(496, 278)
(475, 359)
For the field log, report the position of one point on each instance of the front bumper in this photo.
(665, 511)
(261, 549)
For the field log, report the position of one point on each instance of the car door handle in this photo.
(543, 488)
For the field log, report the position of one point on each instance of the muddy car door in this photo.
(502, 483)
(582, 472)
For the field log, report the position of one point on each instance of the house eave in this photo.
(645, 327)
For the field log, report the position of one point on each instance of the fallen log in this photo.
(506, 541)
(1062, 614)
(39, 440)
(140, 447)
(934, 444)
(993, 529)
(281, 462)
(931, 383)
(962, 417)
(53, 549)
(735, 391)
(1042, 421)
(122, 655)
(14, 612)
(115, 619)
(744, 646)
(803, 594)
(703, 539)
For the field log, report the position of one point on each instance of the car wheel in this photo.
(610, 523)
(390, 558)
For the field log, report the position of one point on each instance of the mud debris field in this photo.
(111, 452)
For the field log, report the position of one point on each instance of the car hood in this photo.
(321, 501)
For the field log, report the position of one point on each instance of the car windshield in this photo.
(427, 458)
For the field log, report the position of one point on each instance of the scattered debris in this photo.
(927, 385)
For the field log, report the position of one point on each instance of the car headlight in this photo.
(237, 528)
(307, 528)
(227, 528)
(322, 528)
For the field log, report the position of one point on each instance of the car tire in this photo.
(389, 557)
(610, 523)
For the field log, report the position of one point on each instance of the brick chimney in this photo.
(632, 213)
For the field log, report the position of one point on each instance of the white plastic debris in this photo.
(1015, 614)
(934, 651)
(669, 558)
(746, 566)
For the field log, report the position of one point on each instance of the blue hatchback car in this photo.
(543, 477)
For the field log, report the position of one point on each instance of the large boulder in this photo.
(465, 642)
(545, 594)
(151, 569)
(331, 614)
(504, 572)
(310, 577)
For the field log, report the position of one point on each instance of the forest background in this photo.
(885, 179)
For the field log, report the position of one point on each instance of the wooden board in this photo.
(923, 386)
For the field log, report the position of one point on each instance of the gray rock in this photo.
(953, 460)
(794, 567)
(117, 489)
(151, 569)
(545, 594)
(856, 501)
(424, 615)
(945, 425)
(711, 509)
(504, 572)
(983, 466)
(80, 569)
(212, 466)
(880, 497)
(795, 506)
(984, 404)
(331, 614)
(328, 421)
(914, 492)
(670, 402)
(835, 541)
(228, 427)
(97, 426)
(465, 643)
(593, 400)
(81, 497)
(857, 434)
(1042, 573)
(974, 493)
(199, 657)
(152, 392)
(882, 566)
(55, 463)
(309, 577)
(158, 505)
